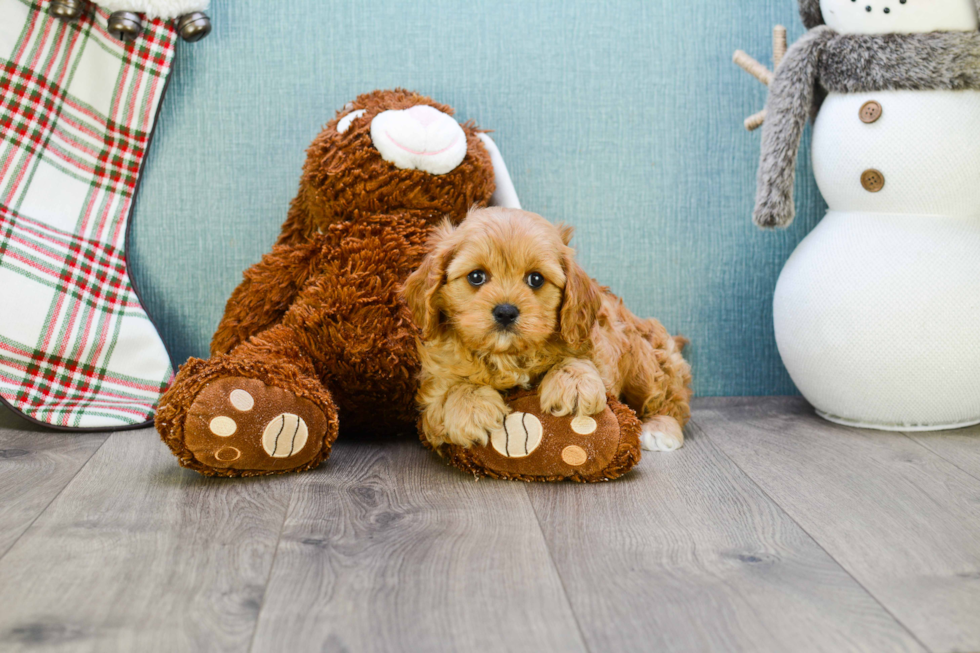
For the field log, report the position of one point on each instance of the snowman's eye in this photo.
(345, 122)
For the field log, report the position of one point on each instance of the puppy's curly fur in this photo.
(571, 337)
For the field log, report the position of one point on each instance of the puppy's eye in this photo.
(477, 278)
(535, 280)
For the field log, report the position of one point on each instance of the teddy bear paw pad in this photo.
(285, 436)
(520, 436)
(574, 455)
(244, 424)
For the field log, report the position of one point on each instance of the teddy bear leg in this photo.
(259, 410)
(534, 445)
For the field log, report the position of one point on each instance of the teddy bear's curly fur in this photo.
(319, 321)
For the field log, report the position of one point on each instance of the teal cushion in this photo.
(623, 119)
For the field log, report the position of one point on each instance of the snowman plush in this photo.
(877, 312)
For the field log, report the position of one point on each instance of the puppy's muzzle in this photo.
(505, 314)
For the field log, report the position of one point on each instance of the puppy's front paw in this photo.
(471, 413)
(662, 433)
(573, 387)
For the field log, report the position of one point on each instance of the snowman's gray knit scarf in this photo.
(826, 61)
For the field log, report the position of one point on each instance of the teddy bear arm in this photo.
(266, 293)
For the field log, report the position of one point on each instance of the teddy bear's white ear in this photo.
(505, 195)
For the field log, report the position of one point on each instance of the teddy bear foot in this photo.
(536, 446)
(233, 425)
(242, 424)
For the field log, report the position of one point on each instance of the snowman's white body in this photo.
(877, 312)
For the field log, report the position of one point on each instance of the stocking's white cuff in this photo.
(156, 8)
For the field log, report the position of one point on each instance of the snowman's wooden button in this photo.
(872, 180)
(870, 112)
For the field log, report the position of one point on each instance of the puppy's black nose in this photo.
(505, 314)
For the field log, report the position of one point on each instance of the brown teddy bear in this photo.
(317, 330)
(317, 333)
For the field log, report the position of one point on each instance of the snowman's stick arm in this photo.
(791, 94)
(752, 67)
(755, 121)
(779, 46)
(760, 72)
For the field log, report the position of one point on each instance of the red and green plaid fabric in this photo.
(77, 109)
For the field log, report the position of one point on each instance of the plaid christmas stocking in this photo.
(77, 109)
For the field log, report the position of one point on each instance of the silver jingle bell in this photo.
(66, 9)
(125, 25)
(194, 26)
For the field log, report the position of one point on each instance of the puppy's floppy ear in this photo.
(421, 289)
(581, 301)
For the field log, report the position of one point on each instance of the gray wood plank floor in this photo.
(35, 466)
(695, 557)
(902, 521)
(770, 531)
(392, 552)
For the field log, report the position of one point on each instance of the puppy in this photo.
(501, 303)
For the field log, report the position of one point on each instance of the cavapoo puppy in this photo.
(501, 303)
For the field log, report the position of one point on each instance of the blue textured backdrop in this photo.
(622, 118)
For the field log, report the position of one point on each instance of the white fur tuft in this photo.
(661, 434)
(166, 9)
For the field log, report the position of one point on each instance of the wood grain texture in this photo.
(140, 555)
(393, 551)
(770, 531)
(903, 521)
(35, 466)
(960, 447)
(687, 554)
